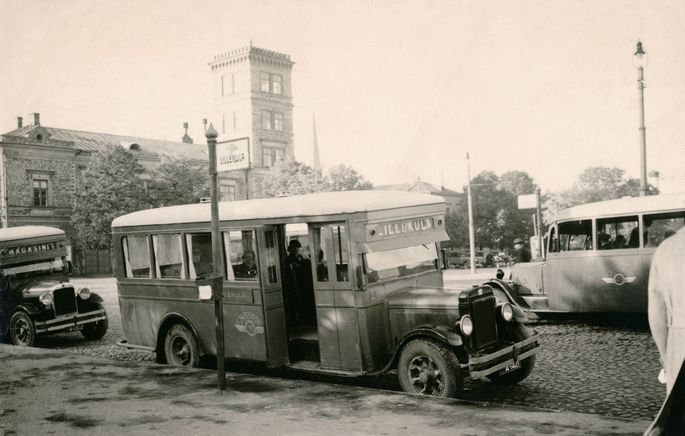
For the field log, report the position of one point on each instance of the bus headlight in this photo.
(507, 312)
(466, 325)
(46, 300)
(84, 293)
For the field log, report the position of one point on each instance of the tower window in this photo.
(272, 120)
(271, 83)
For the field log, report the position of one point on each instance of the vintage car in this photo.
(36, 296)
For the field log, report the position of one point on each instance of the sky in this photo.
(400, 90)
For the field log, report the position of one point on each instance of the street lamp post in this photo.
(472, 242)
(640, 61)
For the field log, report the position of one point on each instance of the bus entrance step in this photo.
(303, 349)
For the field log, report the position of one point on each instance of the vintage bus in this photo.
(346, 283)
(598, 256)
(36, 296)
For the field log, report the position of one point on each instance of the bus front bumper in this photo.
(507, 358)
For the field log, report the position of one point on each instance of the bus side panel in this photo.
(620, 282)
(136, 322)
(329, 343)
(244, 332)
(569, 280)
(348, 335)
(376, 349)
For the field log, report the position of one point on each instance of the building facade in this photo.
(453, 199)
(253, 99)
(40, 166)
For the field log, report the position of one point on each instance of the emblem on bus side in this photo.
(618, 279)
(249, 323)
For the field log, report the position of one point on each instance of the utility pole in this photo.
(472, 242)
(640, 60)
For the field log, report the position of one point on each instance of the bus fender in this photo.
(167, 322)
(438, 333)
(509, 291)
(95, 298)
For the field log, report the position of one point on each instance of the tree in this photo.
(111, 187)
(518, 183)
(597, 184)
(176, 181)
(457, 227)
(346, 178)
(291, 178)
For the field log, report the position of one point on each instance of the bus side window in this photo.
(241, 252)
(199, 254)
(575, 235)
(136, 256)
(168, 251)
(660, 226)
(617, 233)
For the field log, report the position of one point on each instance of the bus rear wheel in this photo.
(429, 368)
(181, 348)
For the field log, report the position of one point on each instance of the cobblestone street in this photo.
(593, 366)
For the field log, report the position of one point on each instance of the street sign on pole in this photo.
(527, 201)
(233, 155)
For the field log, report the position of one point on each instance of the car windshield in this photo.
(32, 268)
(401, 262)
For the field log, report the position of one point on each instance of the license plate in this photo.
(76, 328)
(510, 368)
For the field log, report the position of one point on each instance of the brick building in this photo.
(40, 166)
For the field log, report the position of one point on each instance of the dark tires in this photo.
(181, 348)
(521, 373)
(429, 368)
(96, 330)
(22, 331)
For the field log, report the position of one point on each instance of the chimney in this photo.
(186, 139)
(36, 119)
(20, 122)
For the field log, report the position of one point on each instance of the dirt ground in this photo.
(54, 392)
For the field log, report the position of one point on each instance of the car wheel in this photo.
(428, 368)
(521, 373)
(97, 329)
(181, 348)
(22, 330)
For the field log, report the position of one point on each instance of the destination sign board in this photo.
(233, 155)
(399, 228)
(22, 250)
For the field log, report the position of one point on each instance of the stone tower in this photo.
(252, 98)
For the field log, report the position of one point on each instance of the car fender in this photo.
(29, 308)
(514, 298)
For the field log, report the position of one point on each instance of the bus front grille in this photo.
(484, 322)
(64, 300)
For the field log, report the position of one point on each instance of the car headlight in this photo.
(46, 300)
(84, 293)
(507, 312)
(466, 325)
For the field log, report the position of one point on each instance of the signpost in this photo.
(228, 156)
(532, 201)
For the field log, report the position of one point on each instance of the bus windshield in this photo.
(33, 268)
(401, 262)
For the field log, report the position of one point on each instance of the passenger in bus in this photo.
(247, 269)
(321, 268)
(620, 242)
(521, 253)
(202, 268)
(666, 305)
(604, 241)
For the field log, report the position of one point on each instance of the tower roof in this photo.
(251, 53)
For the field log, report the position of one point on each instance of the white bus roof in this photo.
(23, 232)
(624, 206)
(308, 205)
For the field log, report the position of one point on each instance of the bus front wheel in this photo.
(429, 368)
(181, 348)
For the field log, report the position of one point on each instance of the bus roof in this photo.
(307, 205)
(23, 232)
(624, 206)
